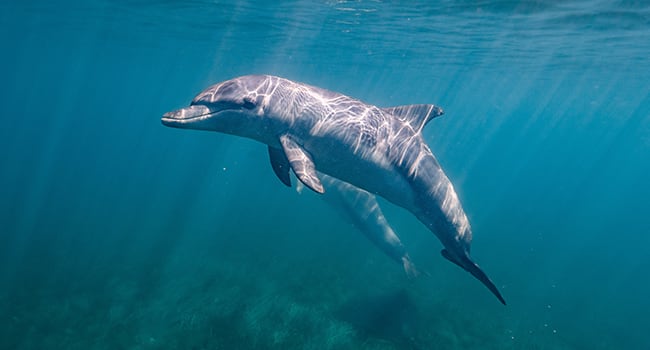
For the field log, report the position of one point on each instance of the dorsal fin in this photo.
(416, 115)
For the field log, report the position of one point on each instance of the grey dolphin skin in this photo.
(362, 210)
(380, 150)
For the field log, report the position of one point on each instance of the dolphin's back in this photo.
(350, 139)
(310, 129)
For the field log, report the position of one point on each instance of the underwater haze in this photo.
(119, 233)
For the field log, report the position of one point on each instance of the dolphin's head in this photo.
(227, 107)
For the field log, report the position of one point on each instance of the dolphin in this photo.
(362, 210)
(309, 129)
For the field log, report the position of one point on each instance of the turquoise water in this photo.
(119, 233)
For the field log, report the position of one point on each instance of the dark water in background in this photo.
(119, 233)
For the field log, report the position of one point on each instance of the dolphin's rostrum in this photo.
(310, 130)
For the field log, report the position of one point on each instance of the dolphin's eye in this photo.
(248, 104)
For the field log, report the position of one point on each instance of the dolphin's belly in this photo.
(365, 170)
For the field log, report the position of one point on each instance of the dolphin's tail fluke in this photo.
(468, 265)
(412, 272)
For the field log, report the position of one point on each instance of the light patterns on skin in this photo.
(372, 133)
(379, 150)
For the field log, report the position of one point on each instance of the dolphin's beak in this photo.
(184, 116)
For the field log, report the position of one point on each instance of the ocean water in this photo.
(119, 233)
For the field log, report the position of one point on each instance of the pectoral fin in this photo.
(301, 163)
(280, 164)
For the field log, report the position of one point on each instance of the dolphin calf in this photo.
(362, 210)
(309, 129)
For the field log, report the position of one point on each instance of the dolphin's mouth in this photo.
(188, 115)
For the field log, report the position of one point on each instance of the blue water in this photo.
(119, 233)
